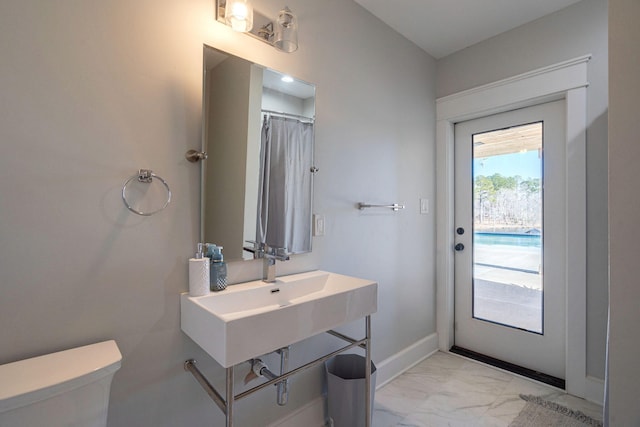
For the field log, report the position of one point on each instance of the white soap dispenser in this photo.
(199, 273)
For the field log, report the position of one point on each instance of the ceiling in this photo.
(441, 27)
(516, 139)
(273, 80)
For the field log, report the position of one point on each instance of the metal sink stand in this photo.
(226, 405)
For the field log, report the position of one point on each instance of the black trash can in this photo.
(346, 389)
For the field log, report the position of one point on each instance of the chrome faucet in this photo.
(269, 256)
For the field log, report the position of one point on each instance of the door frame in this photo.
(566, 80)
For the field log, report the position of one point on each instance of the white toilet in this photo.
(65, 389)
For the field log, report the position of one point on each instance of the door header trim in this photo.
(534, 87)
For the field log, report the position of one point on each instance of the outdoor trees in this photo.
(507, 201)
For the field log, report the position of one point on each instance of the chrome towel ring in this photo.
(146, 176)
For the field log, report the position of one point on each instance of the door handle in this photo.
(459, 247)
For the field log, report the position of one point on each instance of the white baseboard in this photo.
(405, 359)
(594, 390)
(312, 414)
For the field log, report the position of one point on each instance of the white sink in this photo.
(255, 318)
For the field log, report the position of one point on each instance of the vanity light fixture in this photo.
(287, 79)
(239, 15)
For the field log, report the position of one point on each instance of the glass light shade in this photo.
(239, 15)
(285, 36)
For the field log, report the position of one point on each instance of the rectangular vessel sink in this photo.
(255, 318)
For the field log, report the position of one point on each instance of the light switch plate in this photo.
(424, 206)
(318, 225)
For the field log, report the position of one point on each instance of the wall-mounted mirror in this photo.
(258, 132)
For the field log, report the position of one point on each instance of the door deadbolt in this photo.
(459, 247)
(460, 230)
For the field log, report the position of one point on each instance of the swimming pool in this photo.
(509, 239)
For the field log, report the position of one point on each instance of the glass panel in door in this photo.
(507, 227)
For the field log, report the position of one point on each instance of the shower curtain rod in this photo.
(289, 115)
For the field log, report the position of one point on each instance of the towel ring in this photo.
(146, 176)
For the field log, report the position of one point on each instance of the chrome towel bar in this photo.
(394, 206)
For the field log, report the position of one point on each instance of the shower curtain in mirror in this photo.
(284, 194)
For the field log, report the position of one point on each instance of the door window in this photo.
(507, 226)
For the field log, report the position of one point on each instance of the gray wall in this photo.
(92, 91)
(624, 205)
(575, 31)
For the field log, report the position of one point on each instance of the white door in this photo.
(510, 237)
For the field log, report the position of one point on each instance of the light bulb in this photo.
(239, 15)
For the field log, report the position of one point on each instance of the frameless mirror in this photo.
(258, 133)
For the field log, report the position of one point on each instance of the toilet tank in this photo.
(65, 389)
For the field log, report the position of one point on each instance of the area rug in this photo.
(539, 412)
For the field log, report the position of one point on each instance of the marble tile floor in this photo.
(449, 390)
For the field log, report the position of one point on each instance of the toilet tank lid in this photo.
(27, 381)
